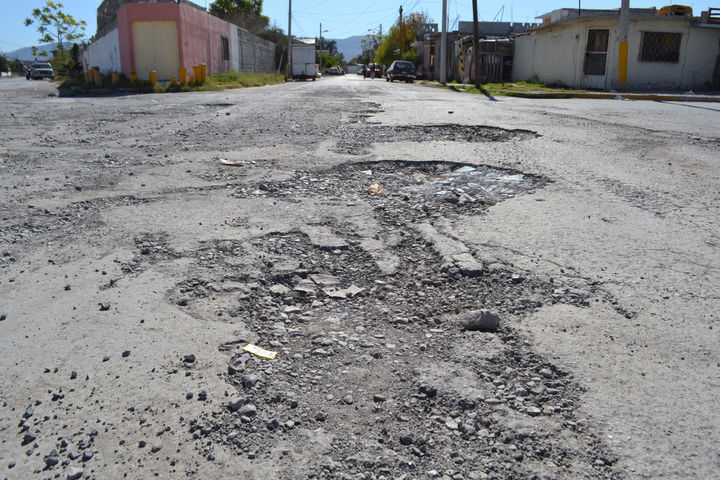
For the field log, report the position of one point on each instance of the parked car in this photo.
(333, 71)
(401, 70)
(38, 71)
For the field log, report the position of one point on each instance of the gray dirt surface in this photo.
(358, 225)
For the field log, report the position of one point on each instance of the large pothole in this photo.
(374, 363)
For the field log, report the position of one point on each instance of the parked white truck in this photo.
(303, 61)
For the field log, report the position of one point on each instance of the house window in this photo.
(660, 47)
(225, 48)
(596, 52)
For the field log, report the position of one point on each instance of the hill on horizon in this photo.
(350, 47)
(25, 53)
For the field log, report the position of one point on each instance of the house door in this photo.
(155, 46)
(595, 59)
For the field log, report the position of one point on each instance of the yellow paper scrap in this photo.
(260, 352)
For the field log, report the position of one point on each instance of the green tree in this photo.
(396, 44)
(4, 63)
(369, 46)
(17, 66)
(55, 26)
(329, 45)
(243, 13)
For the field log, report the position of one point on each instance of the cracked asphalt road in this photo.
(127, 246)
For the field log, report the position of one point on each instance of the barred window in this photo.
(660, 47)
(225, 48)
(596, 52)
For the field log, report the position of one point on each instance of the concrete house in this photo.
(165, 35)
(581, 50)
(495, 50)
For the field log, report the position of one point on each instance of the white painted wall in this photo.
(103, 53)
(524, 58)
(234, 48)
(556, 54)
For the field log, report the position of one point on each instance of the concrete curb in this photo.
(621, 96)
(675, 97)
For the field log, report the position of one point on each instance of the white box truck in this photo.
(303, 61)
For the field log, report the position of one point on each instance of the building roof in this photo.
(563, 13)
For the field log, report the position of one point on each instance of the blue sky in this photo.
(341, 18)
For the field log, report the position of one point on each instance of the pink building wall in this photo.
(200, 39)
(198, 34)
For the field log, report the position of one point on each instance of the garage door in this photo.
(155, 46)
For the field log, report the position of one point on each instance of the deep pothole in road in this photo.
(421, 189)
(373, 362)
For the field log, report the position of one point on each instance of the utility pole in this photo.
(402, 29)
(321, 45)
(443, 45)
(476, 45)
(289, 46)
(623, 44)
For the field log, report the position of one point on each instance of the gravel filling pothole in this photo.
(374, 377)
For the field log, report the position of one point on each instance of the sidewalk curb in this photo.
(675, 97)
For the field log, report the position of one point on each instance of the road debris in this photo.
(260, 352)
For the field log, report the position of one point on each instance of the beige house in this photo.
(580, 50)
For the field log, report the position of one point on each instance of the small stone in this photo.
(126, 353)
(156, 447)
(406, 439)
(202, 396)
(273, 424)
(189, 396)
(51, 461)
(68, 288)
(182, 302)
(249, 380)
(248, 410)
(533, 411)
(86, 456)
(142, 443)
(2, 317)
(451, 425)
(546, 372)
(75, 473)
(482, 320)
(104, 306)
(106, 358)
(348, 399)
(73, 375)
(235, 403)
(379, 398)
(189, 358)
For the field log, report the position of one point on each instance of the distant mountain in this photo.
(350, 47)
(25, 53)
